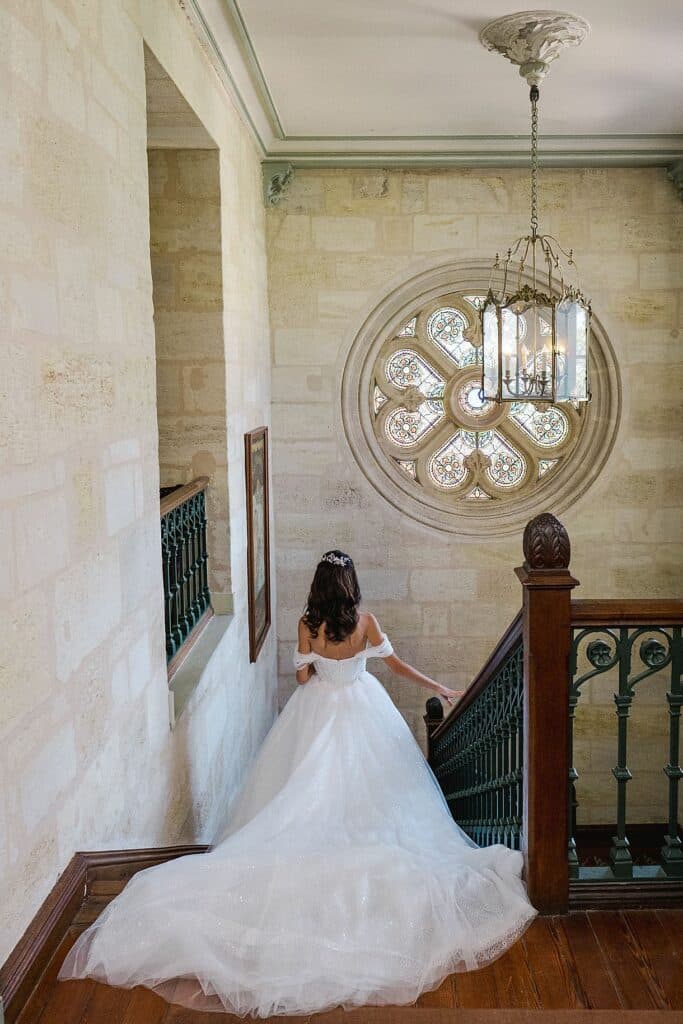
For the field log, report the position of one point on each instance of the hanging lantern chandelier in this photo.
(535, 320)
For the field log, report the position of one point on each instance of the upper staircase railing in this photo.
(477, 755)
(187, 600)
(504, 755)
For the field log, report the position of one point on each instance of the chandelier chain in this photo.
(534, 161)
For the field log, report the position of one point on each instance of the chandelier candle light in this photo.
(536, 325)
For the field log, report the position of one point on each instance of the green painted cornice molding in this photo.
(223, 34)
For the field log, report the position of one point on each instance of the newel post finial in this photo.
(547, 585)
(546, 543)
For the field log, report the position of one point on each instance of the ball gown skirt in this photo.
(341, 878)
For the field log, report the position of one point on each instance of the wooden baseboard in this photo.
(22, 970)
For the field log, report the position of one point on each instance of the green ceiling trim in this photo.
(474, 158)
(260, 81)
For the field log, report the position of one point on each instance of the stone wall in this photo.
(338, 242)
(87, 760)
(185, 243)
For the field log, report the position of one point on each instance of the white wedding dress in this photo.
(341, 878)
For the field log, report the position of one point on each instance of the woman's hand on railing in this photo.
(449, 696)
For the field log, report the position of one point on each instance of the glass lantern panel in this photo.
(527, 351)
(571, 364)
(490, 346)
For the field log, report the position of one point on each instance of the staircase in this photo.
(504, 755)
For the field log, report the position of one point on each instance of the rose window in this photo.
(428, 441)
(434, 426)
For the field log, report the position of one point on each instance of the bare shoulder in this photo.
(304, 637)
(372, 628)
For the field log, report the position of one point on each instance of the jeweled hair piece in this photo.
(334, 559)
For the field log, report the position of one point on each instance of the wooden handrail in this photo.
(617, 612)
(509, 639)
(182, 494)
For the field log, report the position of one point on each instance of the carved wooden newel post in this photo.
(547, 585)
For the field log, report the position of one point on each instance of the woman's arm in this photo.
(305, 673)
(406, 671)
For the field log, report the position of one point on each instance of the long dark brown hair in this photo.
(334, 597)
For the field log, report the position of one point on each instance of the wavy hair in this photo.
(334, 597)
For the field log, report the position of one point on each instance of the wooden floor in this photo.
(587, 961)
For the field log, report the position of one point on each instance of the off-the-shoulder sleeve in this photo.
(383, 650)
(300, 660)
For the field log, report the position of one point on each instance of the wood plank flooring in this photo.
(629, 963)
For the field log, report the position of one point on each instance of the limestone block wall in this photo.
(87, 760)
(185, 246)
(338, 242)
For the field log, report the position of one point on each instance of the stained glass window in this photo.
(439, 431)
(378, 399)
(547, 427)
(447, 466)
(407, 369)
(406, 427)
(446, 328)
(408, 330)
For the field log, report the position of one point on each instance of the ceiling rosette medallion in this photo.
(534, 39)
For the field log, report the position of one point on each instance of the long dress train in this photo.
(341, 878)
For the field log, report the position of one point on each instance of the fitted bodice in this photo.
(343, 671)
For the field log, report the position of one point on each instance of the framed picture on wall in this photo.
(258, 537)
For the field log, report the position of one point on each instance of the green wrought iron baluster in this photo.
(187, 607)
(166, 560)
(672, 853)
(519, 703)
(194, 558)
(176, 552)
(620, 854)
(206, 597)
(572, 802)
(505, 733)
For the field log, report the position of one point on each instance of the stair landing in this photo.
(588, 967)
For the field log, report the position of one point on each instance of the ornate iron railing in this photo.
(638, 640)
(477, 752)
(187, 601)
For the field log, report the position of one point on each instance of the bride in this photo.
(341, 877)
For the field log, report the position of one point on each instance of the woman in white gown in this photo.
(341, 878)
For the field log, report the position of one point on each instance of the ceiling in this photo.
(408, 80)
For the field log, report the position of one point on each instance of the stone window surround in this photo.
(558, 492)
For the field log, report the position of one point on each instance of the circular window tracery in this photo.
(430, 402)
(447, 456)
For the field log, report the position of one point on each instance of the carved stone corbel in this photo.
(675, 173)
(276, 178)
